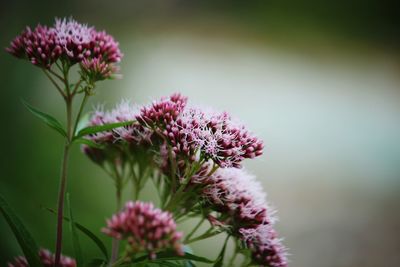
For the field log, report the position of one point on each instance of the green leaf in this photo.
(168, 264)
(46, 118)
(171, 255)
(75, 238)
(87, 142)
(101, 128)
(188, 263)
(88, 233)
(24, 238)
(96, 263)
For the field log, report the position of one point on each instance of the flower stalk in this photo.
(63, 182)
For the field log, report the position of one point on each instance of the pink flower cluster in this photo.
(114, 142)
(193, 136)
(38, 45)
(240, 200)
(72, 42)
(266, 247)
(162, 113)
(186, 130)
(147, 229)
(219, 137)
(238, 193)
(47, 259)
(214, 134)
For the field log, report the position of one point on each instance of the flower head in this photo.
(238, 193)
(47, 259)
(96, 69)
(74, 38)
(266, 247)
(188, 129)
(103, 45)
(146, 228)
(114, 141)
(72, 42)
(219, 137)
(39, 46)
(162, 112)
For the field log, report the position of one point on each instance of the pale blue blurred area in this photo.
(327, 107)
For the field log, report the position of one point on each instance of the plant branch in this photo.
(84, 100)
(115, 242)
(63, 182)
(55, 84)
(56, 74)
(194, 229)
(76, 87)
(207, 234)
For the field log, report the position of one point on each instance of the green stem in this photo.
(118, 262)
(55, 84)
(57, 75)
(207, 234)
(115, 242)
(78, 116)
(235, 253)
(76, 87)
(135, 180)
(173, 169)
(63, 183)
(180, 193)
(194, 230)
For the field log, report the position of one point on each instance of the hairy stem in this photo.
(63, 183)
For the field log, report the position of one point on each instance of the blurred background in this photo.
(318, 81)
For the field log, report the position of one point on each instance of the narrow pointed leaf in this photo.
(24, 238)
(46, 118)
(171, 255)
(87, 142)
(101, 128)
(74, 234)
(88, 233)
(96, 263)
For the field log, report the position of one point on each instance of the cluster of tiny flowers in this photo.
(39, 46)
(162, 113)
(146, 228)
(220, 138)
(177, 131)
(190, 129)
(74, 38)
(236, 193)
(72, 41)
(133, 135)
(47, 259)
(189, 134)
(266, 247)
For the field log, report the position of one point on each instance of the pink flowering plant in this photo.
(192, 156)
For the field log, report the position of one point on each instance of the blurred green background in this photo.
(317, 80)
